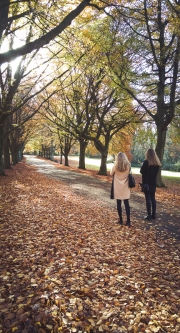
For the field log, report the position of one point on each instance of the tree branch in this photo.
(40, 42)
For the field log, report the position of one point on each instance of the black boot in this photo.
(153, 217)
(120, 220)
(128, 222)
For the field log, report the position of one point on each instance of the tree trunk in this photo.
(6, 144)
(161, 141)
(14, 153)
(14, 157)
(4, 15)
(103, 166)
(17, 153)
(67, 148)
(66, 161)
(2, 173)
(7, 162)
(83, 145)
(61, 155)
(20, 153)
(103, 149)
(66, 152)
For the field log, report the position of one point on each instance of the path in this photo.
(92, 187)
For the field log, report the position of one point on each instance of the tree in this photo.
(122, 141)
(113, 107)
(113, 114)
(92, 106)
(144, 137)
(153, 52)
(18, 92)
(30, 13)
(20, 19)
(91, 110)
(70, 110)
(66, 142)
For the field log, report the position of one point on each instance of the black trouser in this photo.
(150, 203)
(127, 207)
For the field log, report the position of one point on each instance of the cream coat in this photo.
(121, 187)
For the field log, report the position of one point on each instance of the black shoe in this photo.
(148, 217)
(128, 222)
(153, 217)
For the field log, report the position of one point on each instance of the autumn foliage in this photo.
(67, 266)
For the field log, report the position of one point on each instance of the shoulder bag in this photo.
(112, 189)
(131, 180)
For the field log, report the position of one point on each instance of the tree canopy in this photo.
(136, 44)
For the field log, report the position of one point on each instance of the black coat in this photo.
(149, 175)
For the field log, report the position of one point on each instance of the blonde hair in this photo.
(152, 157)
(122, 163)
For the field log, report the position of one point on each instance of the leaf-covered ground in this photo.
(67, 266)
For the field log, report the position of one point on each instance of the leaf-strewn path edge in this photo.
(66, 266)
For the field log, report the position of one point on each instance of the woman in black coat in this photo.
(149, 171)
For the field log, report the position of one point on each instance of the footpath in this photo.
(168, 217)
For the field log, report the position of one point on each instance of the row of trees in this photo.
(89, 109)
(30, 25)
(135, 145)
(115, 66)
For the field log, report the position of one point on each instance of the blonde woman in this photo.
(120, 171)
(149, 171)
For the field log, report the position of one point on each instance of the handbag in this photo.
(131, 180)
(112, 189)
(144, 187)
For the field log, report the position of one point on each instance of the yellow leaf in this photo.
(92, 322)
(38, 323)
(49, 327)
(2, 300)
(54, 313)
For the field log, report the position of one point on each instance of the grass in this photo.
(92, 167)
(171, 180)
(168, 180)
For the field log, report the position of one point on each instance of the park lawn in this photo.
(66, 266)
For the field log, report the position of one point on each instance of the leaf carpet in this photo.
(67, 266)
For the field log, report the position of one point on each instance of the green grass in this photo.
(92, 167)
(168, 180)
(171, 180)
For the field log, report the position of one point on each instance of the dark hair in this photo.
(152, 157)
